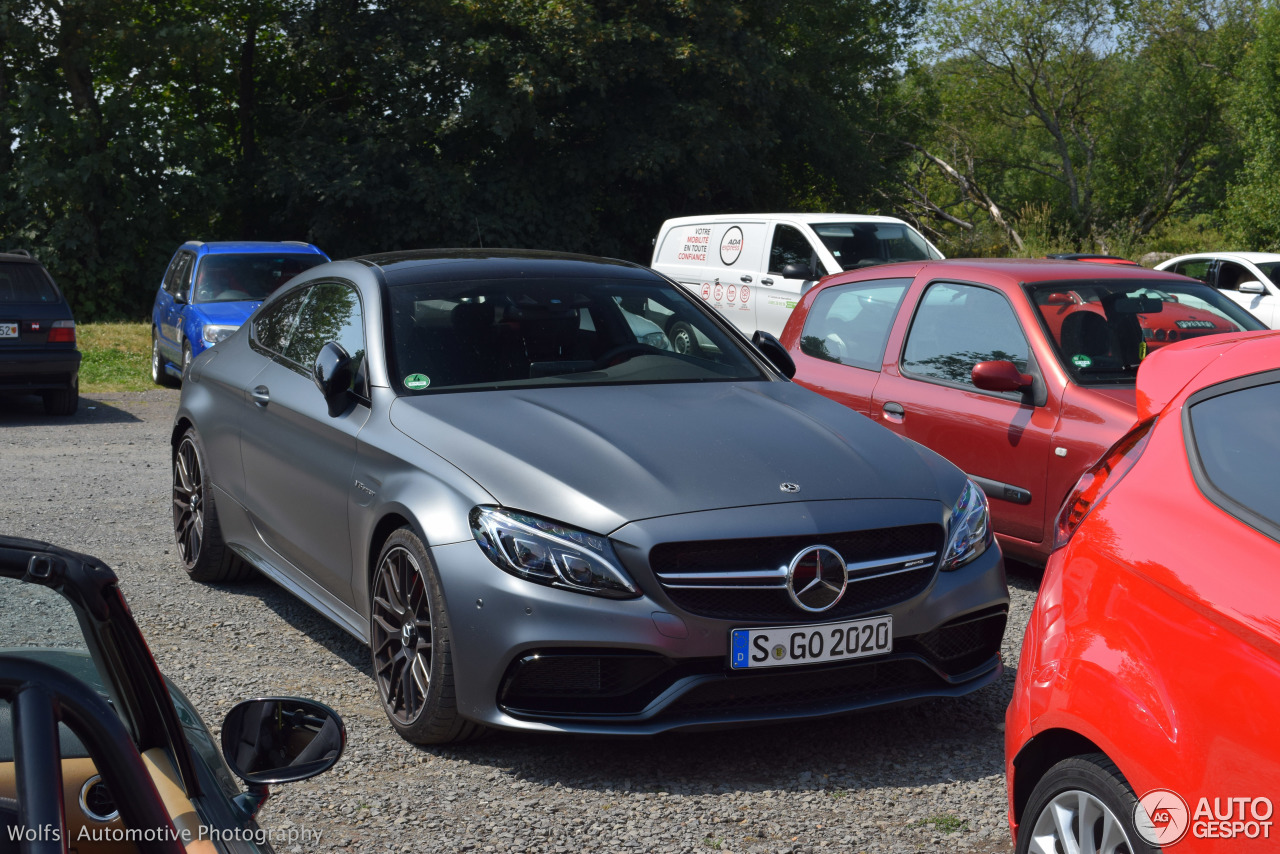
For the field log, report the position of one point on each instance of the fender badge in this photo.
(789, 487)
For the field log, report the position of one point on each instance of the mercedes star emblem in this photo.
(816, 578)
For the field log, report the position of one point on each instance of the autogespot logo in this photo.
(1161, 817)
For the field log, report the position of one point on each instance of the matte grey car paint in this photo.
(308, 499)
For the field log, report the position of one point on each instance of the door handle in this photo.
(892, 408)
(766, 281)
(746, 279)
(261, 395)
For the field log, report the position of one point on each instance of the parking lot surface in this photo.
(925, 778)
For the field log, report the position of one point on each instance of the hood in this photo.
(227, 313)
(600, 457)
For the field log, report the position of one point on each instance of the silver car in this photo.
(542, 523)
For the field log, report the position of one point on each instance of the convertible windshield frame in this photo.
(1129, 319)
(514, 333)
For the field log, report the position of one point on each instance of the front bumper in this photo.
(537, 658)
(38, 370)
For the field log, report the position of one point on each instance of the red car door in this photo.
(1001, 440)
(841, 347)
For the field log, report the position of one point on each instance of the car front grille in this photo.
(746, 579)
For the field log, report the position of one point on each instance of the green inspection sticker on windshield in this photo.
(417, 382)
(1080, 360)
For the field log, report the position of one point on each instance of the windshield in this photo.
(1103, 330)
(511, 333)
(254, 276)
(36, 622)
(1269, 269)
(865, 244)
(25, 283)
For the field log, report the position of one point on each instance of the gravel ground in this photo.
(926, 778)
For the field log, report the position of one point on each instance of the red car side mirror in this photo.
(1000, 376)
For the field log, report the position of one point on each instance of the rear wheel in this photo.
(410, 642)
(159, 375)
(64, 402)
(1082, 804)
(203, 552)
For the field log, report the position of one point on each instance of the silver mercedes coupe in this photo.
(494, 470)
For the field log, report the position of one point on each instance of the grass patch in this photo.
(945, 822)
(117, 356)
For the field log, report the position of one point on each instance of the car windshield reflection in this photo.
(543, 332)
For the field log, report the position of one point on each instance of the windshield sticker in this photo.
(1080, 360)
(416, 382)
(731, 246)
(1142, 350)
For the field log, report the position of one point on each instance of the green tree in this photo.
(1252, 209)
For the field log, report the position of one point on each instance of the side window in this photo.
(1198, 269)
(331, 313)
(790, 246)
(850, 324)
(273, 326)
(1230, 275)
(179, 274)
(957, 326)
(170, 272)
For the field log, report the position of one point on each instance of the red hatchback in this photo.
(1144, 712)
(1021, 372)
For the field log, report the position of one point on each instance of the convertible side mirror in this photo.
(1251, 288)
(281, 739)
(332, 375)
(774, 351)
(1000, 376)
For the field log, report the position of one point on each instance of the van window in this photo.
(790, 246)
(849, 324)
(863, 244)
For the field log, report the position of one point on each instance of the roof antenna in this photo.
(479, 236)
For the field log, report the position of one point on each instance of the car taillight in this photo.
(1100, 479)
(62, 332)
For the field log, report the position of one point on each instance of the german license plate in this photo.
(8, 330)
(791, 645)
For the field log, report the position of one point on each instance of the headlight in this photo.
(546, 553)
(970, 528)
(213, 334)
(657, 340)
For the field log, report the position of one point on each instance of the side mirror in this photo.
(1251, 288)
(775, 353)
(796, 270)
(180, 298)
(281, 740)
(1000, 376)
(332, 375)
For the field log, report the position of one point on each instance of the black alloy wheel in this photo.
(201, 549)
(409, 642)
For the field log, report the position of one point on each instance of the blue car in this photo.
(210, 289)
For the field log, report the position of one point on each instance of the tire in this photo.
(159, 375)
(410, 645)
(64, 402)
(1082, 787)
(683, 339)
(201, 549)
(186, 359)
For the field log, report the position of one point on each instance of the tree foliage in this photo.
(570, 124)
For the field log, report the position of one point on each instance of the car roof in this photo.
(241, 247)
(435, 265)
(1184, 368)
(1254, 257)
(17, 258)
(810, 218)
(1011, 271)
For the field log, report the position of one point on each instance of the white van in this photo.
(754, 267)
